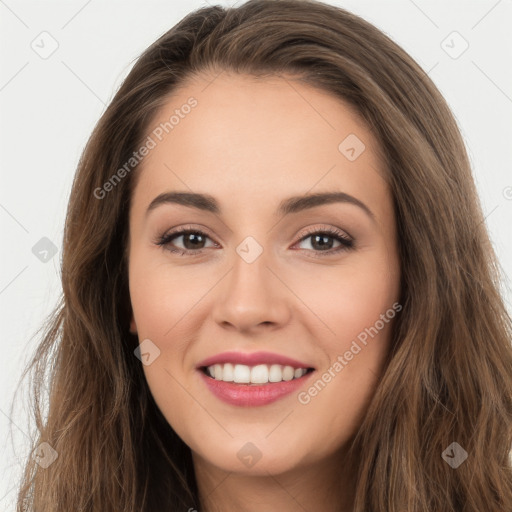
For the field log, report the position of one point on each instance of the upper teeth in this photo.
(259, 374)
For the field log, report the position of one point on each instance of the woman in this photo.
(278, 289)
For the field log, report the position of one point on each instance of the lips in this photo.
(241, 393)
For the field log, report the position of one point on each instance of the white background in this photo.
(50, 106)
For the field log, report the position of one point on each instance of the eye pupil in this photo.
(320, 239)
(195, 237)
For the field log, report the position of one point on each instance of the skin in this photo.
(251, 143)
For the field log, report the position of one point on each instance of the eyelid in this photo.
(179, 230)
(342, 233)
(307, 231)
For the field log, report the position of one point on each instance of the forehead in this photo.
(238, 137)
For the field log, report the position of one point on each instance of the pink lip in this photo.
(252, 359)
(252, 395)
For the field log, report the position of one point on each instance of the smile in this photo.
(253, 379)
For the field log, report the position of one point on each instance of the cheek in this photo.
(162, 301)
(354, 308)
(161, 294)
(348, 298)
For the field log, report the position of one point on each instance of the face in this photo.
(258, 279)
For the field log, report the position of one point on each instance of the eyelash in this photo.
(346, 242)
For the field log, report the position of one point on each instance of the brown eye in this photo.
(321, 242)
(324, 241)
(192, 241)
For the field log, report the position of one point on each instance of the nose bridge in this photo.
(251, 294)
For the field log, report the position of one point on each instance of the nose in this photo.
(252, 298)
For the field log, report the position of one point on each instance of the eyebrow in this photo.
(291, 205)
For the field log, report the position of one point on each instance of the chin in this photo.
(255, 458)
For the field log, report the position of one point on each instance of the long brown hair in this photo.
(448, 376)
